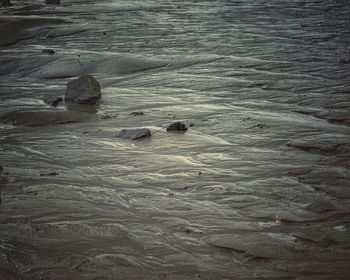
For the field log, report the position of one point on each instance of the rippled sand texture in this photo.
(257, 188)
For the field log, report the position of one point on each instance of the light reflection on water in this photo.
(254, 189)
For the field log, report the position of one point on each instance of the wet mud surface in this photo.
(258, 187)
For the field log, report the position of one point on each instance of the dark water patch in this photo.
(322, 147)
(259, 245)
(14, 29)
(337, 116)
(44, 118)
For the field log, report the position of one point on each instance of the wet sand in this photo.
(258, 187)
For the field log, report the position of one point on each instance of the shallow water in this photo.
(257, 188)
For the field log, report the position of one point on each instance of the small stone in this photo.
(1, 169)
(53, 2)
(85, 90)
(199, 173)
(134, 134)
(177, 126)
(48, 51)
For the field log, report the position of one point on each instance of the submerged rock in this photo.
(320, 206)
(85, 90)
(177, 126)
(134, 134)
(315, 236)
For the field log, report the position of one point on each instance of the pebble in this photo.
(177, 126)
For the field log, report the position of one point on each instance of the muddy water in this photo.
(257, 188)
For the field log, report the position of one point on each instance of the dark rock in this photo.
(177, 126)
(5, 3)
(52, 100)
(134, 134)
(1, 169)
(54, 2)
(137, 113)
(85, 90)
(48, 51)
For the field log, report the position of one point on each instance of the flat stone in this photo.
(85, 90)
(134, 134)
(177, 126)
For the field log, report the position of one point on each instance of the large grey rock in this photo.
(133, 134)
(85, 90)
